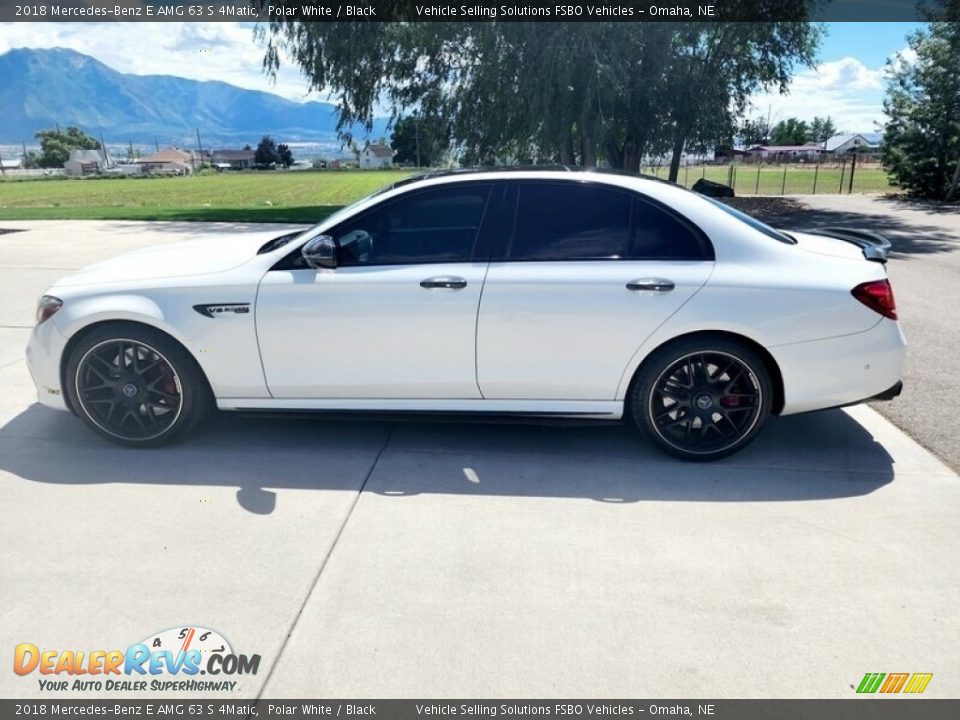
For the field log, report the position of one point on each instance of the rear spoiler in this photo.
(875, 247)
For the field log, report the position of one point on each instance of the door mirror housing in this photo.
(320, 252)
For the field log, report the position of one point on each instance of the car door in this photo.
(396, 318)
(588, 272)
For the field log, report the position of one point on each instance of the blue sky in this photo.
(847, 83)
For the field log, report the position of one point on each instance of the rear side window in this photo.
(571, 221)
(584, 221)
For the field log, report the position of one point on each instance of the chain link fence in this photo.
(828, 178)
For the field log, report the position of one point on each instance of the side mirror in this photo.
(320, 252)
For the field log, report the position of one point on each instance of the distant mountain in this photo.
(41, 88)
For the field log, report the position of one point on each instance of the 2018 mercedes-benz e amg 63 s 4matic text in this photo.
(537, 293)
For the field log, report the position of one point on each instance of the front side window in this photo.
(438, 225)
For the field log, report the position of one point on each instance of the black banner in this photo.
(853, 709)
(450, 10)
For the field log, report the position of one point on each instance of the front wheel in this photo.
(702, 399)
(135, 386)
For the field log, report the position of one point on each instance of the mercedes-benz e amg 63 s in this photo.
(533, 293)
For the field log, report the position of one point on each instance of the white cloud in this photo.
(199, 51)
(846, 90)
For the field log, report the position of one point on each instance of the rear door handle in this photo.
(650, 284)
(448, 282)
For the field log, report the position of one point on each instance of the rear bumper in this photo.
(842, 371)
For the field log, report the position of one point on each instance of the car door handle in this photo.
(651, 284)
(448, 282)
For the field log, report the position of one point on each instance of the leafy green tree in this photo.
(790, 132)
(284, 155)
(755, 131)
(55, 145)
(822, 129)
(921, 142)
(569, 92)
(420, 141)
(266, 153)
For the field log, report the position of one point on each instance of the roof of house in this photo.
(169, 155)
(786, 148)
(381, 151)
(10, 163)
(871, 138)
(234, 154)
(86, 156)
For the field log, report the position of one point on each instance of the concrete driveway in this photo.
(389, 559)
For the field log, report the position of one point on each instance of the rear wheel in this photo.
(702, 399)
(135, 386)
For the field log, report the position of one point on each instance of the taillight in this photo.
(878, 296)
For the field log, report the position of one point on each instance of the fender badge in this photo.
(211, 311)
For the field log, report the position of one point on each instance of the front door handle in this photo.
(651, 284)
(448, 282)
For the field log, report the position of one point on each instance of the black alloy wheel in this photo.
(135, 386)
(703, 403)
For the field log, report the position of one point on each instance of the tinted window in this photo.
(430, 226)
(753, 222)
(570, 221)
(659, 235)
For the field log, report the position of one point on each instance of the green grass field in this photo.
(305, 197)
(237, 197)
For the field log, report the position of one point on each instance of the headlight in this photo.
(47, 308)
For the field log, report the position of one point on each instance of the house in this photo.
(234, 159)
(87, 162)
(785, 153)
(862, 143)
(173, 161)
(376, 156)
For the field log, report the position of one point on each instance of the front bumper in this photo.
(44, 351)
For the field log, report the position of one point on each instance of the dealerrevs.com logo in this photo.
(171, 660)
(893, 683)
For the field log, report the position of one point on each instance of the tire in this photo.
(702, 398)
(135, 386)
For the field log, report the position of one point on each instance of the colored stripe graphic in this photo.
(870, 682)
(918, 682)
(894, 682)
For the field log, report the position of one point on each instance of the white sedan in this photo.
(532, 293)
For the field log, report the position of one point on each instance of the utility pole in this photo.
(200, 146)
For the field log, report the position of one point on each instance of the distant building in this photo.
(11, 164)
(173, 161)
(376, 156)
(87, 162)
(785, 153)
(863, 143)
(233, 159)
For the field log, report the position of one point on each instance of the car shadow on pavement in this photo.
(907, 236)
(812, 457)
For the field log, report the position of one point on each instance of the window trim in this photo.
(500, 252)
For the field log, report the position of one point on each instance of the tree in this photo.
(284, 155)
(921, 142)
(822, 129)
(266, 154)
(567, 92)
(420, 141)
(790, 132)
(55, 145)
(754, 131)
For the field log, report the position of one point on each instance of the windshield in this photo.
(753, 222)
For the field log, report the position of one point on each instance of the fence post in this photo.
(783, 185)
(704, 175)
(756, 190)
(730, 175)
(853, 168)
(816, 172)
(843, 170)
(686, 176)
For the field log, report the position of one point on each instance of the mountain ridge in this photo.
(44, 87)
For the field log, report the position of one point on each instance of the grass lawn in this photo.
(237, 197)
(306, 197)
